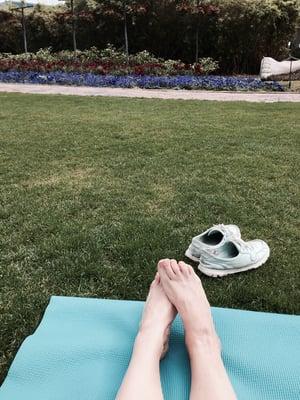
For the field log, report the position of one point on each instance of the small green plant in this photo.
(208, 65)
(111, 54)
(144, 57)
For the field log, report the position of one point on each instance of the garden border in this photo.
(261, 97)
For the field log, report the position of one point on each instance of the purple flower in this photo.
(142, 81)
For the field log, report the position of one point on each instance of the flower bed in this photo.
(145, 82)
(112, 68)
(108, 61)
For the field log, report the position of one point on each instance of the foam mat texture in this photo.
(82, 347)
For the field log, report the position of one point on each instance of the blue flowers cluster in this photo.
(145, 82)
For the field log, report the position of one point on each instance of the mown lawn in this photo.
(93, 191)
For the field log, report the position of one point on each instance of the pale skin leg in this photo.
(184, 290)
(176, 284)
(142, 379)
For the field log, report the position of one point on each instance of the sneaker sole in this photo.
(215, 273)
(189, 255)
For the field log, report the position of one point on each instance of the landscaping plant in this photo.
(144, 82)
(107, 61)
(237, 33)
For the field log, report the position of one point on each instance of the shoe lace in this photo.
(226, 232)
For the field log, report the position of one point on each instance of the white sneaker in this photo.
(234, 256)
(213, 238)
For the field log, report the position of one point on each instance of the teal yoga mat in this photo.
(82, 347)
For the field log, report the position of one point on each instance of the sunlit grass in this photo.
(93, 191)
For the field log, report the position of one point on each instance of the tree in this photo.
(197, 9)
(73, 18)
(123, 10)
(20, 8)
(10, 32)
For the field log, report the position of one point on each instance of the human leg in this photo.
(142, 379)
(184, 290)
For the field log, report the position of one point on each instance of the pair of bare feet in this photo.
(177, 288)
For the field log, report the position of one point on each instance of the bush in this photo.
(238, 33)
(253, 29)
(107, 61)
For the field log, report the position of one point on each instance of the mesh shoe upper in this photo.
(235, 254)
(213, 237)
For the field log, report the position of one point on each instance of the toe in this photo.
(157, 278)
(155, 281)
(184, 268)
(175, 268)
(190, 269)
(162, 263)
(165, 270)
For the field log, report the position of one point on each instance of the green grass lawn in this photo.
(93, 191)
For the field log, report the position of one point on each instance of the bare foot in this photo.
(184, 290)
(158, 316)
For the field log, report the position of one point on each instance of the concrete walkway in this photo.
(265, 97)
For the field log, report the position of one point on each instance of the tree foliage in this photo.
(235, 32)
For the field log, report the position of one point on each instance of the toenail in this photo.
(164, 260)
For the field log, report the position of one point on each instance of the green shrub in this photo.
(251, 29)
(238, 34)
(107, 61)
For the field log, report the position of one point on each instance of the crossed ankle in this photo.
(151, 339)
(151, 331)
(206, 342)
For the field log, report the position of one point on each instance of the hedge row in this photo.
(237, 33)
(108, 61)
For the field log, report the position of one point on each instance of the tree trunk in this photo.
(198, 2)
(73, 26)
(197, 42)
(126, 32)
(24, 31)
